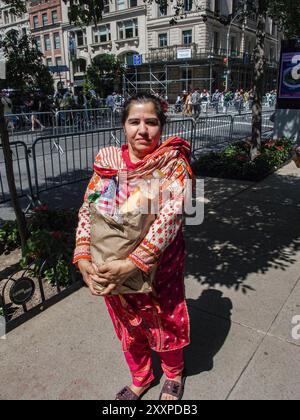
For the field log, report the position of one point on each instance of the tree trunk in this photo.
(259, 73)
(21, 222)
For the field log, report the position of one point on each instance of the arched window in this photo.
(127, 58)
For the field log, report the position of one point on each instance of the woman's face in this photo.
(142, 129)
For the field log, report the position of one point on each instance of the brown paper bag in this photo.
(111, 241)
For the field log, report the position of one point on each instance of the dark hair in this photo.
(143, 98)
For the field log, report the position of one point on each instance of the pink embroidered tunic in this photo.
(160, 317)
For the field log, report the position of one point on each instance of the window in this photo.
(24, 31)
(6, 17)
(132, 3)
(102, 34)
(121, 5)
(81, 38)
(188, 5)
(233, 46)
(162, 10)
(35, 21)
(127, 29)
(45, 19)
(187, 37)
(58, 61)
(49, 62)
(54, 16)
(106, 6)
(216, 45)
(162, 40)
(12, 17)
(47, 43)
(273, 28)
(217, 7)
(56, 41)
(38, 43)
(235, 5)
(80, 66)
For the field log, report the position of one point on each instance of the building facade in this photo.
(121, 32)
(171, 58)
(192, 53)
(45, 20)
(9, 21)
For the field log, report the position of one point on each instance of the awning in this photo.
(58, 69)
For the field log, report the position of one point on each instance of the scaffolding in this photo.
(171, 79)
(159, 78)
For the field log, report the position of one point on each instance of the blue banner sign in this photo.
(289, 86)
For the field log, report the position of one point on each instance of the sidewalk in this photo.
(242, 287)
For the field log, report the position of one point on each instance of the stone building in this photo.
(9, 21)
(193, 52)
(121, 32)
(45, 20)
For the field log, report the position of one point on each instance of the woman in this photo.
(157, 320)
(188, 105)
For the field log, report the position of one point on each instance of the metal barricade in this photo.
(26, 127)
(242, 124)
(67, 158)
(22, 173)
(211, 133)
(81, 120)
(179, 127)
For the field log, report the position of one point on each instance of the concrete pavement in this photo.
(243, 293)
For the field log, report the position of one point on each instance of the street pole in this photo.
(210, 74)
(238, 14)
(227, 55)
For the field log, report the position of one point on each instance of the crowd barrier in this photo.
(52, 161)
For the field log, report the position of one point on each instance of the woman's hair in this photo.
(143, 98)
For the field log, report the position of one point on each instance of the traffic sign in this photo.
(137, 59)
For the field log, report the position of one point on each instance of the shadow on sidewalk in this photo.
(208, 332)
(254, 232)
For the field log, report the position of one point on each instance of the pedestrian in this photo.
(204, 100)
(227, 101)
(157, 320)
(35, 108)
(216, 100)
(188, 105)
(196, 102)
(110, 101)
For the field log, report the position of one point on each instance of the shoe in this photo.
(173, 388)
(127, 394)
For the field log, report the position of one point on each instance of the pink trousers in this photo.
(139, 361)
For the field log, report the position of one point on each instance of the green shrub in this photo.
(9, 236)
(235, 162)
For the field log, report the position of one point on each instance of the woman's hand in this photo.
(87, 270)
(113, 273)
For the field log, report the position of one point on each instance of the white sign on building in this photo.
(183, 53)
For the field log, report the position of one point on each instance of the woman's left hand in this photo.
(113, 273)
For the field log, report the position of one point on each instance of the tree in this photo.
(287, 17)
(25, 70)
(104, 73)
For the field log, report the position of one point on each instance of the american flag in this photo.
(106, 202)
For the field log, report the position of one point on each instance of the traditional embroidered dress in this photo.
(158, 320)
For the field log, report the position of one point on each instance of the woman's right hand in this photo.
(87, 270)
